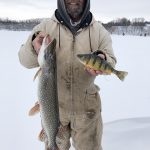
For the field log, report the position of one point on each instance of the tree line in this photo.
(124, 26)
(21, 25)
(127, 22)
(136, 26)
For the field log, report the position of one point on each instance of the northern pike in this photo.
(47, 92)
(95, 62)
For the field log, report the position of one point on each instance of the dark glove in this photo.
(97, 52)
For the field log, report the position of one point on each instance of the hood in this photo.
(63, 17)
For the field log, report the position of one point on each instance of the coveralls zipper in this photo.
(72, 78)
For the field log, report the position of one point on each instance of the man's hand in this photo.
(94, 72)
(37, 42)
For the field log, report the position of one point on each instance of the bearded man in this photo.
(76, 31)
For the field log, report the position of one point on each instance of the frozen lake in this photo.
(120, 100)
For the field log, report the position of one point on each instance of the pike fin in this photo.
(42, 136)
(35, 109)
(121, 74)
(37, 73)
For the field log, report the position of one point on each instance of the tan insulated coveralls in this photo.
(79, 100)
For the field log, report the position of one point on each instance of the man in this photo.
(76, 31)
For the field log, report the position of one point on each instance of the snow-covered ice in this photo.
(127, 134)
(121, 101)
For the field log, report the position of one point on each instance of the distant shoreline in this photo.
(123, 26)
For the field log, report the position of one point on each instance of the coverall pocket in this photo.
(91, 109)
(92, 100)
(82, 122)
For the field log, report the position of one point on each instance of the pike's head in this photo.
(46, 53)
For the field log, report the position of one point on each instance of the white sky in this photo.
(105, 10)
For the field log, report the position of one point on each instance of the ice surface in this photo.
(120, 100)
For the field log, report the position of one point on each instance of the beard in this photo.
(75, 11)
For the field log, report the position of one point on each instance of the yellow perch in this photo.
(97, 63)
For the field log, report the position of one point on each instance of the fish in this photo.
(47, 92)
(97, 63)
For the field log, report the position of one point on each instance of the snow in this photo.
(125, 105)
(127, 134)
(130, 98)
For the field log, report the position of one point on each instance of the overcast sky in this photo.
(103, 10)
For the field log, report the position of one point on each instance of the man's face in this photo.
(75, 8)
